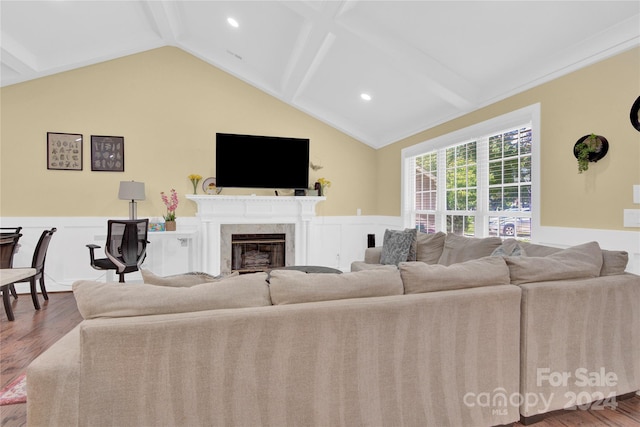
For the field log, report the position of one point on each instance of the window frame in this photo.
(514, 119)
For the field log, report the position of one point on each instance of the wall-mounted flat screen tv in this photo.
(252, 161)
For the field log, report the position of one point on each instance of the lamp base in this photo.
(133, 209)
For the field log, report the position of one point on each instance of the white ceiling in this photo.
(423, 62)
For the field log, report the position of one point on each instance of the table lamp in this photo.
(131, 190)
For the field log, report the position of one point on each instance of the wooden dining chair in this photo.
(39, 258)
(9, 237)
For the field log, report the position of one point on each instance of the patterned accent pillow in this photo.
(510, 247)
(397, 245)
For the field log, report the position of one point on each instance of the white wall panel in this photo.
(336, 241)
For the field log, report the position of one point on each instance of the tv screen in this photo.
(252, 161)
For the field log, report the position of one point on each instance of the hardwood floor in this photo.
(34, 331)
(30, 334)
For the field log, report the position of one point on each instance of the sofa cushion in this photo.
(361, 265)
(418, 277)
(397, 245)
(292, 287)
(572, 263)
(614, 262)
(97, 299)
(533, 249)
(179, 280)
(429, 247)
(460, 249)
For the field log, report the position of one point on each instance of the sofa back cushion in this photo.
(292, 287)
(614, 262)
(460, 249)
(572, 263)
(179, 280)
(429, 247)
(97, 299)
(418, 277)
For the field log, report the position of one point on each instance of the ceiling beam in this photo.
(164, 18)
(16, 56)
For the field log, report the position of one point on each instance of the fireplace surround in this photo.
(267, 214)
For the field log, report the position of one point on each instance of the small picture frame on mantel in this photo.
(64, 151)
(107, 153)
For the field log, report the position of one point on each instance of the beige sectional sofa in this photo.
(381, 347)
(470, 332)
(580, 317)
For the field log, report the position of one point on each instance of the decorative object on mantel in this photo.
(131, 190)
(195, 179)
(64, 151)
(324, 183)
(209, 186)
(172, 204)
(590, 148)
(634, 115)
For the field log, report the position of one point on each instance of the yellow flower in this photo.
(194, 178)
(324, 182)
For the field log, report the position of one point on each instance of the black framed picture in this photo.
(64, 151)
(107, 153)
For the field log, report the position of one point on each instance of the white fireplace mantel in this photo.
(214, 210)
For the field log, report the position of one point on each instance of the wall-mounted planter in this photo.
(590, 148)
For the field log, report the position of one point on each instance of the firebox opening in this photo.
(251, 253)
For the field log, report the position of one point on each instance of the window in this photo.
(475, 182)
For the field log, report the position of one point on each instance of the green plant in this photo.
(584, 148)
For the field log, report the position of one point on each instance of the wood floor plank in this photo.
(34, 331)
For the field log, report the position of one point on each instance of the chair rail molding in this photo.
(215, 210)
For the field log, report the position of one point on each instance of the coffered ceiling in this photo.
(421, 62)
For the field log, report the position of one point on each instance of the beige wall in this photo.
(168, 105)
(595, 99)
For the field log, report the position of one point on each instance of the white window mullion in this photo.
(482, 213)
(441, 201)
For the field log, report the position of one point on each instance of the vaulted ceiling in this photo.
(421, 62)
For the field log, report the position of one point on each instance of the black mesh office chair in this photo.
(126, 247)
(39, 257)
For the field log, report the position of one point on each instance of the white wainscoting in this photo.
(336, 241)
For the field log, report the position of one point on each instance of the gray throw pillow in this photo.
(396, 246)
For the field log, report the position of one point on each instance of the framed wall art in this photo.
(107, 153)
(64, 151)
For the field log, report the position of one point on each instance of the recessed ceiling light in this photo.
(365, 96)
(233, 22)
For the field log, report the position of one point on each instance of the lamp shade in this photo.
(131, 190)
